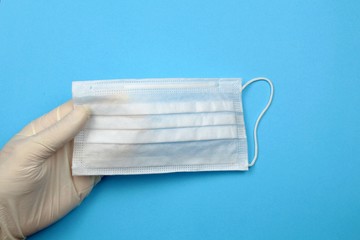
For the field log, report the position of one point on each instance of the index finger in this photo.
(47, 120)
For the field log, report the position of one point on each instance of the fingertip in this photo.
(64, 109)
(83, 110)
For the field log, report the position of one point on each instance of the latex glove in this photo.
(36, 184)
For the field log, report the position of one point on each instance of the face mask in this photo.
(162, 125)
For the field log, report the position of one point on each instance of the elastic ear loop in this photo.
(261, 114)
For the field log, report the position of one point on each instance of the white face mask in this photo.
(162, 125)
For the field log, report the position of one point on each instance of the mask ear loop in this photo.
(261, 114)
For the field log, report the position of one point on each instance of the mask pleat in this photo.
(162, 135)
(125, 109)
(183, 153)
(137, 122)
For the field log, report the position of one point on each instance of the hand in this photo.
(36, 184)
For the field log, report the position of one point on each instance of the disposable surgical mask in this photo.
(143, 126)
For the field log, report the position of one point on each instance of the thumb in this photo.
(56, 136)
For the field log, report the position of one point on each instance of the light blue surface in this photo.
(306, 183)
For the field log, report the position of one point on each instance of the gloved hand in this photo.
(36, 185)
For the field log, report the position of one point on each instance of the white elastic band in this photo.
(261, 114)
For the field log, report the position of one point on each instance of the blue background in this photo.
(306, 183)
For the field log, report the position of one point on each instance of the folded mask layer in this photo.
(142, 126)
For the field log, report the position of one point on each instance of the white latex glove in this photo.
(36, 184)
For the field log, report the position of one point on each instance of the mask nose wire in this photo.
(256, 150)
